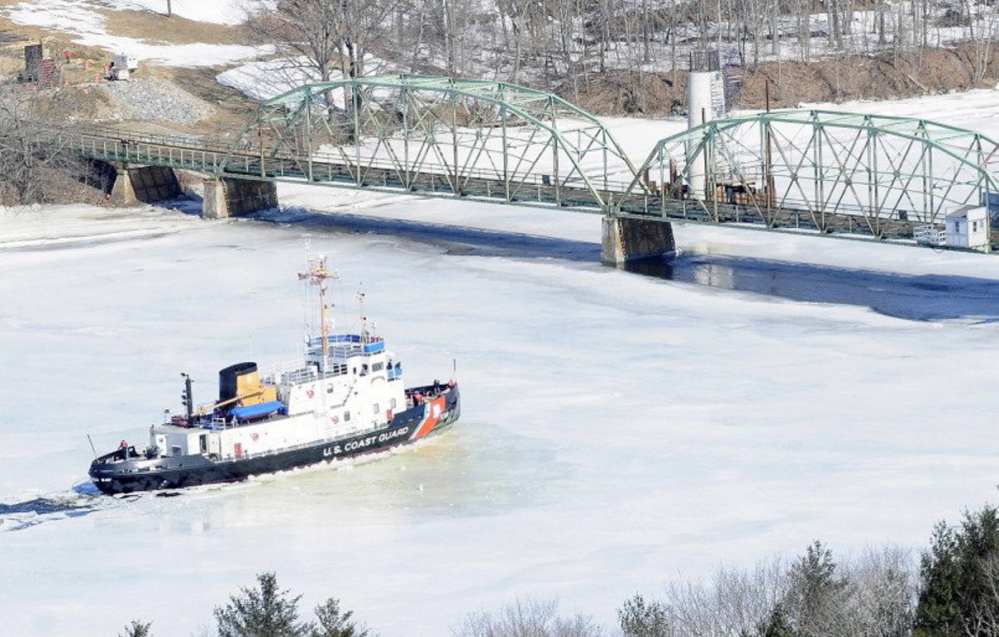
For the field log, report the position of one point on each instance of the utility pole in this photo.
(169, 8)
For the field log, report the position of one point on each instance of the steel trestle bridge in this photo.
(821, 171)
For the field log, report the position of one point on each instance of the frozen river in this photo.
(617, 429)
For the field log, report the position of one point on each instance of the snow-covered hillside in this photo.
(84, 24)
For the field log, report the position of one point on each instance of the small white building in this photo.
(968, 227)
(123, 65)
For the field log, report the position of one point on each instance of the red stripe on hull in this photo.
(435, 408)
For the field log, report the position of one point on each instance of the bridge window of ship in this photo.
(377, 367)
(377, 408)
(392, 403)
(175, 450)
(346, 416)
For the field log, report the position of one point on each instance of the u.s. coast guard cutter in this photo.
(345, 399)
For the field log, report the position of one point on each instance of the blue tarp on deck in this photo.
(256, 411)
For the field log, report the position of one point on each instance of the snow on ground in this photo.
(87, 27)
(214, 11)
(975, 110)
(265, 79)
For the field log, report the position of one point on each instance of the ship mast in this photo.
(317, 275)
(364, 319)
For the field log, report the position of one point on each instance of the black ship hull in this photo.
(126, 472)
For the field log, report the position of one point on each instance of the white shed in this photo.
(123, 65)
(968, 227)
(126, 61)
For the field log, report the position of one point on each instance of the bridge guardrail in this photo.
(218, 158)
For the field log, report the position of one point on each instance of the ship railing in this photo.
(357, 339)
(348, 345)
(345, 351)
(341, 352)
(295, 373)
(338, 352)
(299, 376)
(221, 423)
(213, 423)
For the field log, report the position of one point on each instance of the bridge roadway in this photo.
(217, 158)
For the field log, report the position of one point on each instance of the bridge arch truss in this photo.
(824, 170)
(435, 134)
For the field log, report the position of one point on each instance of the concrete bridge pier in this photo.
(213, 204)
(133, 184)
(122, 192)
(227, 197)
(633, 239)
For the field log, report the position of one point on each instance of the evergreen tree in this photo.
(266, 611)
(639, 618)
(814, 601)
(332, 622)
(776, 624)
(137, 629)
(959, 596)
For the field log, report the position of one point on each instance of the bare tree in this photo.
(529, 30)
(323, 36)
(453, 33)
(871, 596)
(526, 618)
(734, 602)
(984, 45)
(984, 619)
(883, 585)
(36, 162)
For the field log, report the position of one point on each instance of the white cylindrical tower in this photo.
(705, 102)
(700, 107)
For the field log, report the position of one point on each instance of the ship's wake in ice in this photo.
(16, 516)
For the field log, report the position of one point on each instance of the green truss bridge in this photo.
(831, 173)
